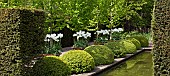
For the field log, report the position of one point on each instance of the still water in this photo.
(140, 65)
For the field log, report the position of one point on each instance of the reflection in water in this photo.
(140, 65)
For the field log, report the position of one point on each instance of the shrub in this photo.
(136, 42)
(161, 38)
(20, 38)
(117, 49)
(51, 66)
(143, 40)
(101, 54)
(79, 61)
(129, 46)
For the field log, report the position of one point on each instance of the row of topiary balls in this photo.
(79, 61)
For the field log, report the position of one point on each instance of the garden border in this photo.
(101, 68)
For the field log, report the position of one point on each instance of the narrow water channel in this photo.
(139, 65)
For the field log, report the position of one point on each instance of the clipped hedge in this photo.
(161, 38)
(129, 46)
(117, 49)
(79, 61)
(143, 40)
(51, 66)
(101, 54)
(136, 42)
(21, 36)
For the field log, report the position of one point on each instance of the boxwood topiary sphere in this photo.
(51, 66)
(143, 40)
(79, 61)
(129, 46)
(101, 54)
(136, 42)
(117, 49)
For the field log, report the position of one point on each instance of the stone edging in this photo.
(102, 68)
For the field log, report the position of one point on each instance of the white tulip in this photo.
(98, 32)
(105, 32)
(106, 39)
(46, 39)
(48, 36)
(79, 37)
(53, 35)
(74, 35)
(55, 38)
(88, 34)
(120, 29)
(95, 33)
(115, 30)
(85, 36)
(60, 35)
(102, 31)
(81, 32)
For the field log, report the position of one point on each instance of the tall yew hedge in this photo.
(21, 36)
(161, 38)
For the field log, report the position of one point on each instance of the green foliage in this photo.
(129, 46)
(101, 54)
(87, 14)
(53, 49)
(122, 10)
(148, 36)
(136, 33)
(117, 49)
(51, 66)
(80, 44)
(100, 41)
(129, 34)
(161, 38)
(79, 61)
(23, 38)
(136, 42)
(117, 35)
(3, 5)
(143, 40)
(145, 13)
(118, 12)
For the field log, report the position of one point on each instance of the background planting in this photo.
(67, 16)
